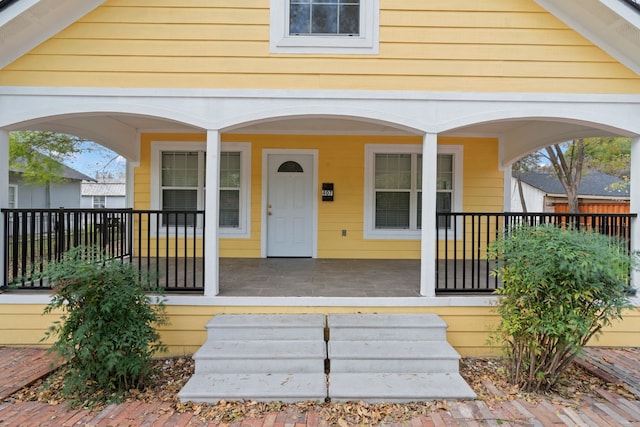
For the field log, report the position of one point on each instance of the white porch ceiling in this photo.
(318, 125)
(120, 132)
(521, 137)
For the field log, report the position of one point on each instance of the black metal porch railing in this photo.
(461, 262)
(462, 265)
(168, 244)
(36, 237)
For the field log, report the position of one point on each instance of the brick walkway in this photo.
(19, 366)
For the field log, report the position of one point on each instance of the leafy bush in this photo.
(106, 334)
(561, 287)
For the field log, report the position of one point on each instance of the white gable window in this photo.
(324, 18)
(324, 26)
(393, 189)
(179, 184)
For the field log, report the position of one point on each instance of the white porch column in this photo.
(211, 253)
(4, 192)
(129, 182)
(635, 206)
(429, 236)
(508, 187)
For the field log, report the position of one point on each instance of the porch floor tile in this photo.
(304, 277)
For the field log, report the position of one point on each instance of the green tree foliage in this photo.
(106, 334)
(609, 155)
(38, 155)
(560, 288)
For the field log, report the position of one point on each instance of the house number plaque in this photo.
(327, 191)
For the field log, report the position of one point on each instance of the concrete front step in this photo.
(265, 387)
(393, 356)
(266, 326)
(361, 349)
(372, 357)
(380, 327)
(260, 357)
(385, 387)
(255, 356)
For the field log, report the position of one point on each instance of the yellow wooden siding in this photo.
(24, 324)
(341, 161)
(450, 45)
(468, 331)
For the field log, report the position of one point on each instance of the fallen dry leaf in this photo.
(485, 375)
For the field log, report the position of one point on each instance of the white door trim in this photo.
(263, 205)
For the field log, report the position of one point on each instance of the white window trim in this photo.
(15, 196)
(370, 150)
(244, 226)
(366, 43)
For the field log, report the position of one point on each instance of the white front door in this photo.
(290, 205)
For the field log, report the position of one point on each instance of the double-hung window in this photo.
(398, 191)
(13, 196)
(444, 189)
(393, 189)
(181, 185)
(99, 202)
(324, 26)
(230, 180)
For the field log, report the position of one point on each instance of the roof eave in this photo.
(27, 23)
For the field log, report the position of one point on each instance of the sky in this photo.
(95, 159)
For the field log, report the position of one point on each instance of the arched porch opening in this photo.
(343, 149)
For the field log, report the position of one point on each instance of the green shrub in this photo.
(560, 288)
(106, 334)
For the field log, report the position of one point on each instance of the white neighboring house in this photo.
(543, 192)
(103, 194)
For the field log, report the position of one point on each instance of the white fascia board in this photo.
(612, 25)
(280, 94)
(27, 23)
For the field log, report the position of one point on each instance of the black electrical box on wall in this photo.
(327, 191)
